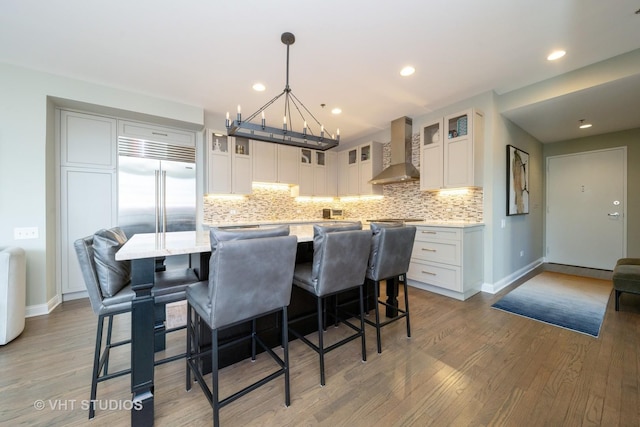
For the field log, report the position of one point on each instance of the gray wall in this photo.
(629, 139)
(27, 157)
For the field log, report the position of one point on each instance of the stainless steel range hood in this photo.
(401, 169)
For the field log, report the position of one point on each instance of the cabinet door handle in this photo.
(159, 133)
(428, 250)
(428, 272)
(429, 232)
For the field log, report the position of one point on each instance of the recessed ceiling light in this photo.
(259, 87)
(584, 125)
(336, 111)
(407, 71)
(557, 54)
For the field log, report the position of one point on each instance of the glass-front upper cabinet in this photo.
(353, 156)
(432, 133)
(457, 125)
(219, 143)
(305, 156)
(243, 146)
(365, 153)
(320, 158)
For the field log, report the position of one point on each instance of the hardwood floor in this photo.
(465, 365)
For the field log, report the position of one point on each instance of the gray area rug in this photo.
(571, 302)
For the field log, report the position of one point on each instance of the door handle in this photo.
(616, 214)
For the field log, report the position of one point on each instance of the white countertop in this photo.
(452, 224)
(456, 224)
(150, 245)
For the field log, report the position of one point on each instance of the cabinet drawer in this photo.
(438, 233)
(436, 251)
(441, 275)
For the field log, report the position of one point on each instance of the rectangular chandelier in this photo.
(286, 134)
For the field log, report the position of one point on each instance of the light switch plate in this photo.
(25, 233)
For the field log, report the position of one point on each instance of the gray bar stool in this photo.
(109, 288)
(391, 247)
(340, 256)
(250, 275)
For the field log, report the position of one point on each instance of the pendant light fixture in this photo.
(305, 137)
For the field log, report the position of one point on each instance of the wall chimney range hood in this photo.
(401, 169)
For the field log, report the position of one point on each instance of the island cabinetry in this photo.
(448, 260)
(275, 163)
(452, 151)
(356, 167)
(229, 167)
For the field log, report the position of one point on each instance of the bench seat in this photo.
(626, 278)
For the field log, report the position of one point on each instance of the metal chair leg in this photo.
(215, 398)
(189, 348)
(376, 290)
(406, 307)
(285, 343)
(320, 342)
(108, 345)
(96, 366)
(364, 346)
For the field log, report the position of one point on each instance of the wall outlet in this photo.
(521, 253)
(233, 212)
(503, 223)
(25, 233)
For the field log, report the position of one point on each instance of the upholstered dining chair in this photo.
(108, 284)
(391, 247)
(340, 255)
(250, 276)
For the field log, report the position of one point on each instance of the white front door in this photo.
(586, 195)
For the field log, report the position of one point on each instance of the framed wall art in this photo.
(517, 181)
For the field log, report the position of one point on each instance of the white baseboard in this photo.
(75, 295)
(506, 281)
(42, 309)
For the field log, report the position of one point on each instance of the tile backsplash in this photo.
(403, 200)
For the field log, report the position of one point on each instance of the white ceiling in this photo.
(347, 53)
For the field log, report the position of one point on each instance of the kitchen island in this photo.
(142, 249)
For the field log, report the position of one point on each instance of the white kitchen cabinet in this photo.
(275, 163)
(87, 187)
(448, 260)
(229, 166)
(87, 140)
(87, 204)
(452, 151)
(370, 159)
(313, 173)
(156, 133)
(357, 166)
(432, 157)
(320, 174)
(332, 173)
(343, 173)
(288, 158)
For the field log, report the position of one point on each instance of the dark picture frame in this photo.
(517, 181)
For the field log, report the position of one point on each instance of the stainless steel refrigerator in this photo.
(156, 186)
